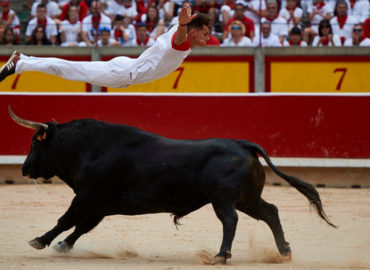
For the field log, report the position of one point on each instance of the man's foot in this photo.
(9, 67)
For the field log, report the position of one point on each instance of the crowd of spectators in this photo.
(235, 23)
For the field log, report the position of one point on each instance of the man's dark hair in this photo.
(41, 6)
(199, 21)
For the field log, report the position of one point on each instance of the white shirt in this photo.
(360, 9)
(114, 8)
(324, 11)
(51, 27)
(88, 27)
(279, 26)
(287, 44)
(336, 41)
(297, 13)
(52, 9)
(15, 22)
(255, 4)
(346, 31)
(158, 60)
(365, 43)
(245, 42)
(271, 41)
(71, 32)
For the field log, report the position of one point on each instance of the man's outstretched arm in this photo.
(185, 17)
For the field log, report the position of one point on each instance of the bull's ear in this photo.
(42, 137)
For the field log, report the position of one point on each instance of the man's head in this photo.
(105, 35)
(73, 13)
(291, 4)
(141, 32)
(342, 8)
(239, 12)
(94, 8)
(198, 31)
(356, 33)
(266, 29)
(272, 9)
(41, 12)
(5, 4)
(295, 35)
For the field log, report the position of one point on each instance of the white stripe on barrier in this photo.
(281, 162)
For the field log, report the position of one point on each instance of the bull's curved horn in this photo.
(26, 123)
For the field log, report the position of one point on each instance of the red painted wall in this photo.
(285, 125)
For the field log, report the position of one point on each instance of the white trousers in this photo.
(114, 73)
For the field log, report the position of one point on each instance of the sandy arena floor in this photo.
(152, 241)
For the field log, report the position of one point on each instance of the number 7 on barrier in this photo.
(344, 70)
(180, 70)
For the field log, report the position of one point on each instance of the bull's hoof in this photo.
(221, 259)
(35, 243)
(62, 247)
(218, 260)
(286, 253)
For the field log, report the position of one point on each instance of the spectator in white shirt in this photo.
(266, 38)
(326, 36)
(237, 36)
(105, 39)
(359, 9)
(70, 29)
(295, 38)
(292, 14)
(92, 23)
(318, 11)
(279, 25)
(47, 22)
(343, 23)
(358, 39)
(53, 10)
(142, 36)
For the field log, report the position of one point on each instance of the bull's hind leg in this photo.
(80, 229)
(268, 213)
(229, 218)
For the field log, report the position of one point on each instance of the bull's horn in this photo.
(26, 123)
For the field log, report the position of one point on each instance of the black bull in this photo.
(118, 169)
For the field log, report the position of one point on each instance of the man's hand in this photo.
(185, 16)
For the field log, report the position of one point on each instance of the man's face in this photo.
(236, 30)
(271, 10)
(295, 38)
(94, 9)
(41, 13)
(357, 32)
(291, 3)
(342, 10)
(73, 13)
(239, 12)
(199, 37)
(105, 35)
(142, 33)
(266, 29)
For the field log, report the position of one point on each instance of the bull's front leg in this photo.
(229, 218)
(74, 213)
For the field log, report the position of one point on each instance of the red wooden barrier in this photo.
(323, 126)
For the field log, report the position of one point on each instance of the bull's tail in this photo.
(306, 189)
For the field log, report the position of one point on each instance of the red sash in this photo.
(342, 21)
(96, 21)
(271, 20)
(142, 43)
(44, 23)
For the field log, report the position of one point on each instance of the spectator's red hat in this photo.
(4, 2)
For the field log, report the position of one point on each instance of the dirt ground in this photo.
(153, 242)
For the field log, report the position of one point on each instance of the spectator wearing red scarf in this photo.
(326, 36)
(142, 36)
(357, 37)
(295, 38)
(92, 23)
(279, 25)
(45, 21)
(8, 18)
(82, 10)
(343, 23)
